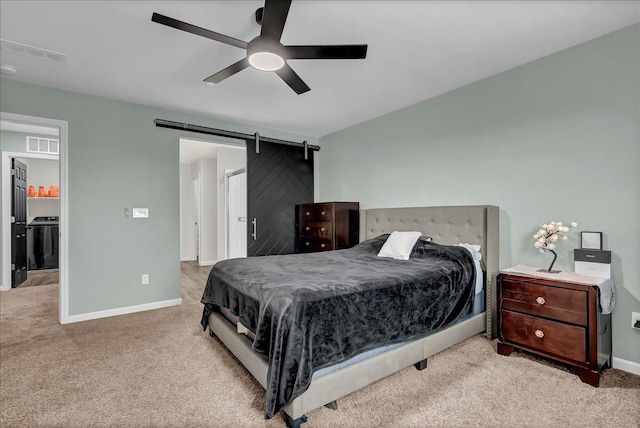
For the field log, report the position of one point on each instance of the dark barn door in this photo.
(278, 178)
(18, 223)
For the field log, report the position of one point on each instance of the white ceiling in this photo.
(417, 50)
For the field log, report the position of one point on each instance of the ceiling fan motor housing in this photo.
(265, 45)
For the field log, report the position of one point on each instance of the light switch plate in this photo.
(140, 212)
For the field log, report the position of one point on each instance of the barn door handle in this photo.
(254, 234)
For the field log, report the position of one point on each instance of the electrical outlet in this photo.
(635, 320)
(145, 279)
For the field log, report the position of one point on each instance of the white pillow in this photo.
(477, 256)
(473, 249)
(399, 245)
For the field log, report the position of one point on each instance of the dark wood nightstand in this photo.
(327, 226)
(555, 319)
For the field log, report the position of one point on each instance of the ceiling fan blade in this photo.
(274, 17)
(228, 72)
(290, 77)
(170, 22)
(326, 52)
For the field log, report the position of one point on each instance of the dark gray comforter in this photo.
(310, 311)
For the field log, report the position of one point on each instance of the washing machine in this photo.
(42, 243)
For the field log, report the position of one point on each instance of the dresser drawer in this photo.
(552, 337)
(316, 229)
(316, 212)
(557, 303)
(315, 244)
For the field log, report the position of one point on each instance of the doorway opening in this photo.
(35, 207)
(204, 214)
(34, 204)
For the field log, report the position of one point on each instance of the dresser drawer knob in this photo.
(306, 243)
(307, 228)
(322, 229)
(322, 213)
(540, 300)
(539, 334)
(323, 245)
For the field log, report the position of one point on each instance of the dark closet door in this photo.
(278, 178)
(18, 223)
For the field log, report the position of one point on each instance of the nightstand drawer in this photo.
(315, 244)
(552, 337)
(316, 212)
(561, 304)
(316, 229)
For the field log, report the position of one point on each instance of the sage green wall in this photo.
(118, 158)
(555, 139)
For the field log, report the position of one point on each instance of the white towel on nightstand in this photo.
(606, 287)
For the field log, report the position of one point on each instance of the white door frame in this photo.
(228, 173)
(63, 126)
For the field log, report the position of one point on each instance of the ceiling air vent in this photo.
(33, 52)
(43, 145)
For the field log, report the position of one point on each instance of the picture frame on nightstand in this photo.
(591, 240)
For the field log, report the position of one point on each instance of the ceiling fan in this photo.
(265, 52)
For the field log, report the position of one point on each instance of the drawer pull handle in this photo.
(307, 228)
(307, 213)
(540, 301)
(539, 334)
(306, 243)
(323, 245)
(322, 213)
(322, 229)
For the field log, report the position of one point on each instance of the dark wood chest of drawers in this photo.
(327, 226)
(555, 319)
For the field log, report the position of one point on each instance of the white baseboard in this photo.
(626, 365)
(188, 259)
(207, 263)
(123, 311)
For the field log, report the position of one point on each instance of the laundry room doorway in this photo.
(33, 199)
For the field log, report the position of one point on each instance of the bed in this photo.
(446, 225)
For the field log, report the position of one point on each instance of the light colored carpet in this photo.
(159, 369)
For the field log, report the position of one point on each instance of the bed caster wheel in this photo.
(211, 333)
(294, 423)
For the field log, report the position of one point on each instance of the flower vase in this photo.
(555, 256)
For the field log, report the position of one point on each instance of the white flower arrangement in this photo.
(547, 237)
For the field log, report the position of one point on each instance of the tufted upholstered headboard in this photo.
(473, 224)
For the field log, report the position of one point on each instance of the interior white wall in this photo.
(229, 158)
(208, 211)
(187, 217)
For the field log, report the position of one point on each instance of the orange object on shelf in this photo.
(54, 191)
(32, 191)
(41, 192)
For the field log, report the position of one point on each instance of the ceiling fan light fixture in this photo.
(266, 61)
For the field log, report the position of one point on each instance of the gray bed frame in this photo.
(477, 224)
